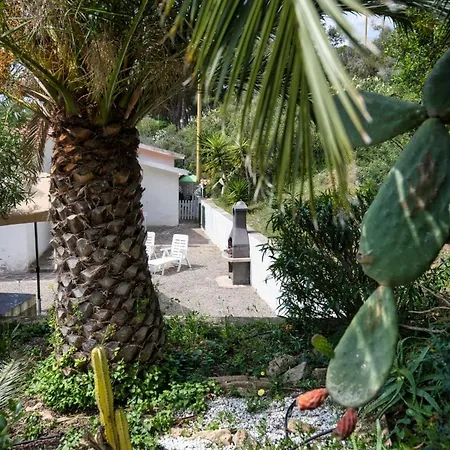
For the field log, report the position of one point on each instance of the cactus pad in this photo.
(364, 355)
(409, 221)
(321, 344)
(436, 92)
(390, 117)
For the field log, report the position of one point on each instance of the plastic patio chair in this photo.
(176, 254)
(150, 244)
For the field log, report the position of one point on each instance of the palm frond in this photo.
(33, 146)
(12, 376)
(284, 40)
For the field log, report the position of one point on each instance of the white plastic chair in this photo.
(150, 244)
(177, 253)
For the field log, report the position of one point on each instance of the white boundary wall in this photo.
(218, 224)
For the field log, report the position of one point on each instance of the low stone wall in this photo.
(217, 224)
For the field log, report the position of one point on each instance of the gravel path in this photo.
(194, 289)
(263, 427)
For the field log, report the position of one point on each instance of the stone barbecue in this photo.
(238, 251)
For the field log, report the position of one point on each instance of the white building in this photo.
(160, 205)
(160, 181)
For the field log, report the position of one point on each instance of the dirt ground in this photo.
(202, 288)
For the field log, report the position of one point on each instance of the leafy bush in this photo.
(321, 282)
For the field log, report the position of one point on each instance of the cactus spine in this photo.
(114, 423)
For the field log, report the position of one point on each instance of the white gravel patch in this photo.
(264, 427)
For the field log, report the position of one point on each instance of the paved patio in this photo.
(202, 288)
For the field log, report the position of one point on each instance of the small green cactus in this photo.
(114, 422)
(321, 344)
(401, 233)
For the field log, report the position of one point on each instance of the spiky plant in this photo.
(278, 51)
(12, 378)
(90, 70)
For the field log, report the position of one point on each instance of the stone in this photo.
(296, 374)
(220, 437)
(243, 384)
(280, 365)
(319, 374)
(297, 426)
(243, 440)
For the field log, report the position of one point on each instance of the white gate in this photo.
(188, 209)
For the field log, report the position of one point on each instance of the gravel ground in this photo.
(194, 289)
(263, 427)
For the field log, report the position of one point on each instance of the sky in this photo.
(358, 21)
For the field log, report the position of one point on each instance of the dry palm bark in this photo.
(105, 294)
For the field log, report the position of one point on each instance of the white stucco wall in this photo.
(218, 224)
(17, 245)
(47, 155)
(160, 197)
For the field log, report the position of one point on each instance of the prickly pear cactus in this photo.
(363, 358)
(401, 233)
(408, 222)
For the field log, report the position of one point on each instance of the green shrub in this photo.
(322, 285)
(321, 282)
(237, 189)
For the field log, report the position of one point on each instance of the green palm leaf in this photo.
(285, 41)
(12, 375)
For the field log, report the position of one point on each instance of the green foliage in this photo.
(14, 173)
(415, 51)
(221, 157)
(321, 282)
(9, 418)
(417, 394)
(12, 373)
(197, 348)
(237, 189)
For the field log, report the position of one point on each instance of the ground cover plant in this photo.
(197, 349)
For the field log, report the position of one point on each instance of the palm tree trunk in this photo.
(105, 293)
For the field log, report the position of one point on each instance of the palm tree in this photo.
(236, 41)
(91, 70)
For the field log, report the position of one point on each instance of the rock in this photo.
(319, 374)
(242, 383)
(221, 437)
(296, 374)
(243, 440)
(279, 365)
(297, 426)
(37, 406)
